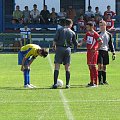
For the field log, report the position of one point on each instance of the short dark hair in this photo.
(108, 6)
(68, 22)
(26, 7)
(96, 7)
(44, 53)
(90, 24)
(89, 7)
(34, 5)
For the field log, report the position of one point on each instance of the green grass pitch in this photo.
(76, 103)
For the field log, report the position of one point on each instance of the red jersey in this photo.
(110, 24)
(110, 13)
(92, 40)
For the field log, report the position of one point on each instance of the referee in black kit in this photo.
(103, 57)
(63, 41)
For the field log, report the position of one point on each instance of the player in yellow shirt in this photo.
(26, 56)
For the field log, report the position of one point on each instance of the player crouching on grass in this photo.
(103, 57)
(94, 42)
(26, 56)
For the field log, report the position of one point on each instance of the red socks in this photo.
(94, 74)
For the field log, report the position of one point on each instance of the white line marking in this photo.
(50, 62)
(66, 101)
(63, 98)
(66, 106)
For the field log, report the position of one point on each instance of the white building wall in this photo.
(102, 4)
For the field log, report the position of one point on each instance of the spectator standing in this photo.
(53, 16)
(17, 15)
(71, 13)
(44, 15)
(35, 13)
(26, 15)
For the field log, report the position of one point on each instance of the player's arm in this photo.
(82, 41)
(31, 60)
(54, 45)
(100, 42)
(24, 60)
(55, 39)
(74, 41)
(111, 47)
(112, 25)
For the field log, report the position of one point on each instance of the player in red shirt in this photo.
(109, 23)
(93, 42)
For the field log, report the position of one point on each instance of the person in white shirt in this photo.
(62, 14)
(89, 13)
(35, 14)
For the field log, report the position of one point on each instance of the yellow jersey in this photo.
(30, 50)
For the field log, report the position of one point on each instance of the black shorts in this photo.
(63, 55)
(103, 57)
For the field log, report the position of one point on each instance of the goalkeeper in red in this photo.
(94, 42)
(26, 56)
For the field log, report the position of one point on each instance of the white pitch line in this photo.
(66, 101)
(66, 106)
(50, 62)
(63, 98)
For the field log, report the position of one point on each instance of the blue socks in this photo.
(26, 76)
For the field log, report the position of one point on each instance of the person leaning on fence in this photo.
(103, 56)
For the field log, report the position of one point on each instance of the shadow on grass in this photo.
(22, 88)
(40, 88)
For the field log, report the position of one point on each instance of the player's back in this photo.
(64, 36)
(30, 46)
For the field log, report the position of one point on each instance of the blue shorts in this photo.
(21, 55)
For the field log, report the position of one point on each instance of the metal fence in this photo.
(10, 42)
